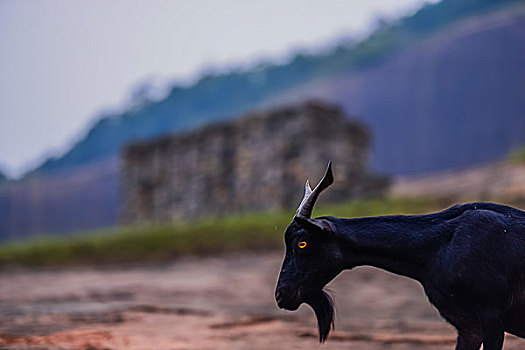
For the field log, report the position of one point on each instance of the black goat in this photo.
(470, 259)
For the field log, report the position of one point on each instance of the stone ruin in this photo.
(256, 163)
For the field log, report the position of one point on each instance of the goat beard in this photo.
(323, 307)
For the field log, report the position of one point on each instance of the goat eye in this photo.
(302, 244)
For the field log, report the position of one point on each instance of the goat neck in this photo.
(404, 245)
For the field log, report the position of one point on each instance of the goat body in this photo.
(470, 260)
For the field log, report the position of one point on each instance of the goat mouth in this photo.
(289, 307)
(323, 307)
(288, 302)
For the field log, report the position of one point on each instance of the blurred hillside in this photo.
(450, 101)
(481, 59)
(85, 197)
(440, 89)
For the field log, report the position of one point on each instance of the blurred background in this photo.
(157, 138)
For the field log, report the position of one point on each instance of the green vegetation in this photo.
(3, 178)
(517, 155)
(220, 96)
(249, 232)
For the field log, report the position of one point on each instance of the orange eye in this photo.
(302, 244)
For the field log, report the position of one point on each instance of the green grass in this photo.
(517, 155)
(162, 242)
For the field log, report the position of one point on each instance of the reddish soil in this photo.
(211, 303)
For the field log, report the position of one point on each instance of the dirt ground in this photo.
(209, 303)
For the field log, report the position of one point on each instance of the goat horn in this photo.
(307, 204)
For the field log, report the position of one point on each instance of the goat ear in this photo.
(314, 224)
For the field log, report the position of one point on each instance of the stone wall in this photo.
(258, 162)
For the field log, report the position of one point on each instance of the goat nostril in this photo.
(278, 295)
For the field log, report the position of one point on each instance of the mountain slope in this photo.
(79, 199)
(230, 95)
(451, 98)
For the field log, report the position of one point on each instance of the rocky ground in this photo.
(213, 303)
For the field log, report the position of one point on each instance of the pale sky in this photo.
(63, 61)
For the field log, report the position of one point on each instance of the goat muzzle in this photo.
(287, 298)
